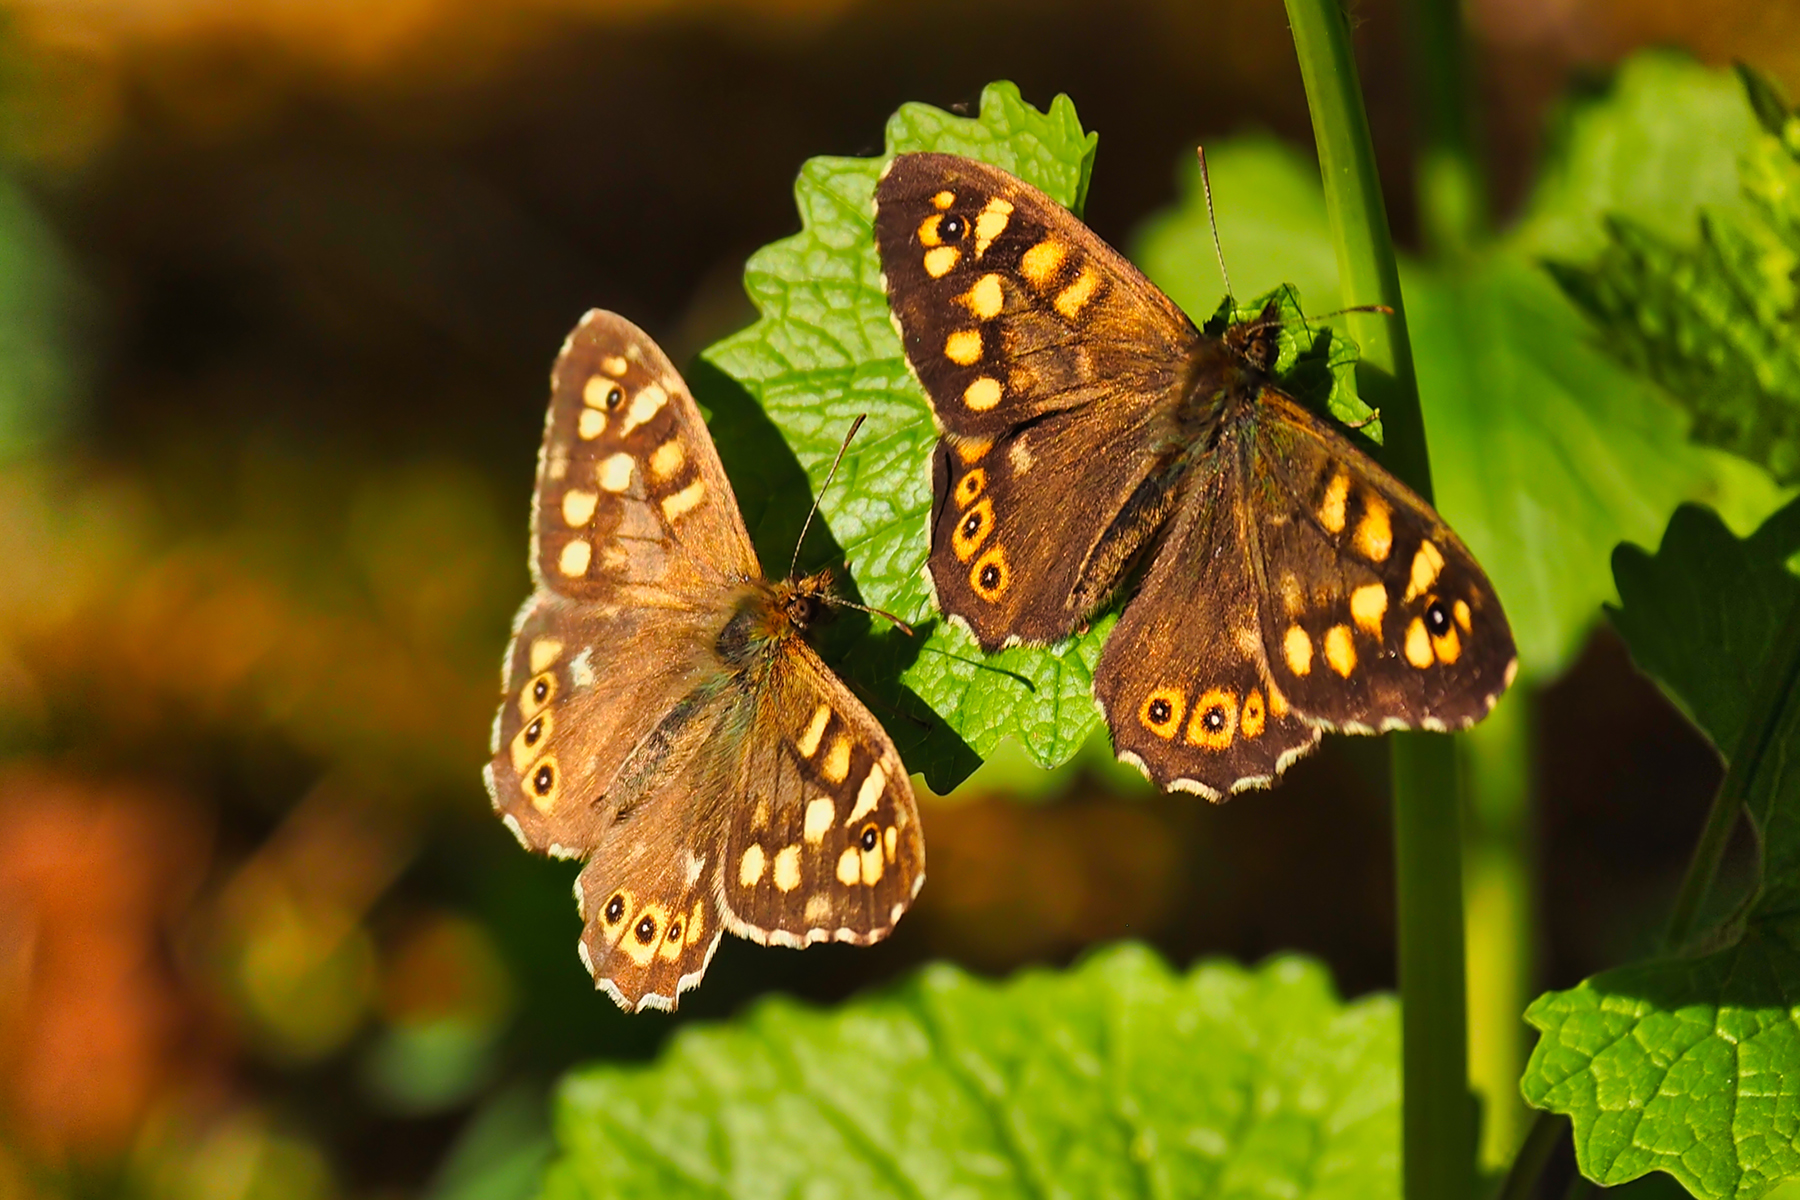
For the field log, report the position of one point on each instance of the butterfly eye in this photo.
(646, 930)
(1437, 618)
(871, 838)
(951, 228)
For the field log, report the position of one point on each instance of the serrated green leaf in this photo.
(1713, 322)
(1690, 1064)
(1545, 453)
(1117, 1078)
(824, 352)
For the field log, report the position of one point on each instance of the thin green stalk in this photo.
(1496, 760)
(1438, 1120)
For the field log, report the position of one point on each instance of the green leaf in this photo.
(1713, 322)
(1545, 453)
(1116, 1078)
(1689, 1063)
(824, 352)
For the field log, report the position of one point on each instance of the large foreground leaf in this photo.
(1117, 1078)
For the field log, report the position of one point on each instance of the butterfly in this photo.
(664, 717)
(1290, 584)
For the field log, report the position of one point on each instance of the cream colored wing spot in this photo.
(815, 729)
(646, 404)
(1375, 532)
(1418, 645)
(819, 814)
(1040, 263)
(818, 907)
(983, 394)
(940, 259)
(683, 502)
(759, 816)
(1447, 646)
(591, 424)
(1368, 605)
(614, 365)
(849, 866)
(1297, 648)
(574, 559)
(890, 838)
(578, 507)
(751, 866)
(963, 347)
(973, 451)
(985, 300)
(1340, 650)
(1072, 299)
(943, 200)
(544, 651)
(1253, 717)
(869, 794)
(837, 760)
(602, 393)
(1425, 567)
(615, 472)
(872, 862)
(787, 868)
(991, 224)
(667, 459)
(1337, 496)
(1463, 617)
(1293, 600)
(1020, 456)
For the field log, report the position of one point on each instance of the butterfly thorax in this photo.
(1226, 377)
(768, 614)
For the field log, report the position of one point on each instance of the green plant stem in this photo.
(1540, 1141)
(1774, 687)
(1496, 760)
(1452, 187)
(1438, 1126)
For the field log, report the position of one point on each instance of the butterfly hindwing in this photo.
(632, 503)
(823, 841)
(1374, 613)
(1183, 681)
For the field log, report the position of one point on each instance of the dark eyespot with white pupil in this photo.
(990, 577)
(615, 396)
(615, 910)
(871, 837)
(534, 731)
(972, 526)
(1437, 618)
(675, 932)
(540, 689)
(951, 228)
(543, 779)
(1159, 712)
(1214, 718)
(646, 930)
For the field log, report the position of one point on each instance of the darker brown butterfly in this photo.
(1293, 585)
(664, 718)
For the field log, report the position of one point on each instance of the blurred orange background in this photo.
(280, 282)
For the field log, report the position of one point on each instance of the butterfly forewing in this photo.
(825, 844)
(1374, 613)
(1051, 364)
(632, 504)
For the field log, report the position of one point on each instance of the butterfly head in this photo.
(1254, 342)
(801, 603)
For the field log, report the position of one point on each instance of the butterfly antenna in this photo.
(1211, 219)
(829, 476)
(840, 602)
